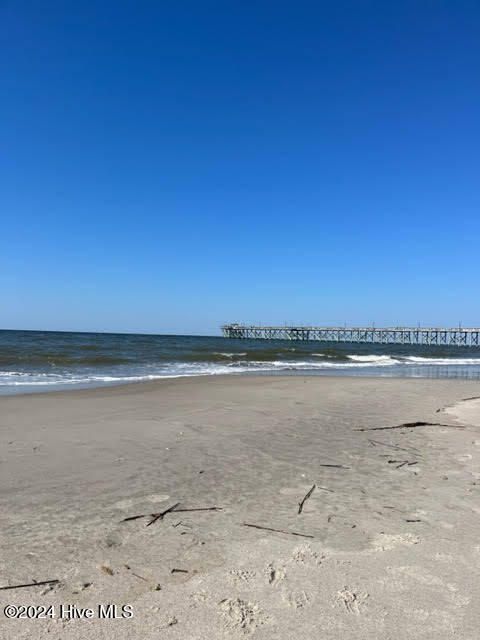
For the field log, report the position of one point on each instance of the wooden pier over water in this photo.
(458, 337)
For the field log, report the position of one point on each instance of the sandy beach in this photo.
(386, 545)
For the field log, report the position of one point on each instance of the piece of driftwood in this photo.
(402, 464)
(160, 516)
(129, 568)
(140, 577)
(29, 584)
(173, 509)
(305, 498)
(335, 466)
(417, 520)
(178, 571)
(291, 533)
(142, 515)
(410, 425)
(199, 509)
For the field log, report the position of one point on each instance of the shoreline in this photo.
(390, 526)
(329, 375)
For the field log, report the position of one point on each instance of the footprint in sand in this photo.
(275, 575)
(241, 575)
(304, 554)
(351, 600)
(386, 542)
(298, 600)
(240, 614)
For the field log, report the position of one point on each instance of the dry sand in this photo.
(394, 552)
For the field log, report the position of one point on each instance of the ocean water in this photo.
(44, 361)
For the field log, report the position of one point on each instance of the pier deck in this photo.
(459, 336)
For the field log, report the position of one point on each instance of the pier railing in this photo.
(460, 337)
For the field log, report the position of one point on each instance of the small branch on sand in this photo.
(129, 568)
(29, 584)
(140, 577)
(335, 466)
(172, 509)
(291, 533)
(411, 425)
(199, 509)
(159, 516)
(402, 463)
(306, 497)
(178, 571)
(412, 520)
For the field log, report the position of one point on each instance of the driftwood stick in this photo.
(29, 584)
(142, 515)
(402, 464)
(292, 533)
(141, 577)
(306, 497)
(173, 509)
(335, 466)
(159, 516)
(199, 509)
(411, 425)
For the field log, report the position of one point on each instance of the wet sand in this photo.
(389, 543)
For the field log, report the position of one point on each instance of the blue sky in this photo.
(168, 166)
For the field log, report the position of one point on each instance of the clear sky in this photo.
(168, 166)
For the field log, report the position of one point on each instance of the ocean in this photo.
(45, 361)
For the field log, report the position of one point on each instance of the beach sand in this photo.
(392, 548)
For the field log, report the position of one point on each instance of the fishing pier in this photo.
(459, 337)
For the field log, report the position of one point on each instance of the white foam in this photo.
(377, 360)
(308, 365)
(442, 361)
(229, 355)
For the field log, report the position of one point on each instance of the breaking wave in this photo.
(375, 360)
(419, 360)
